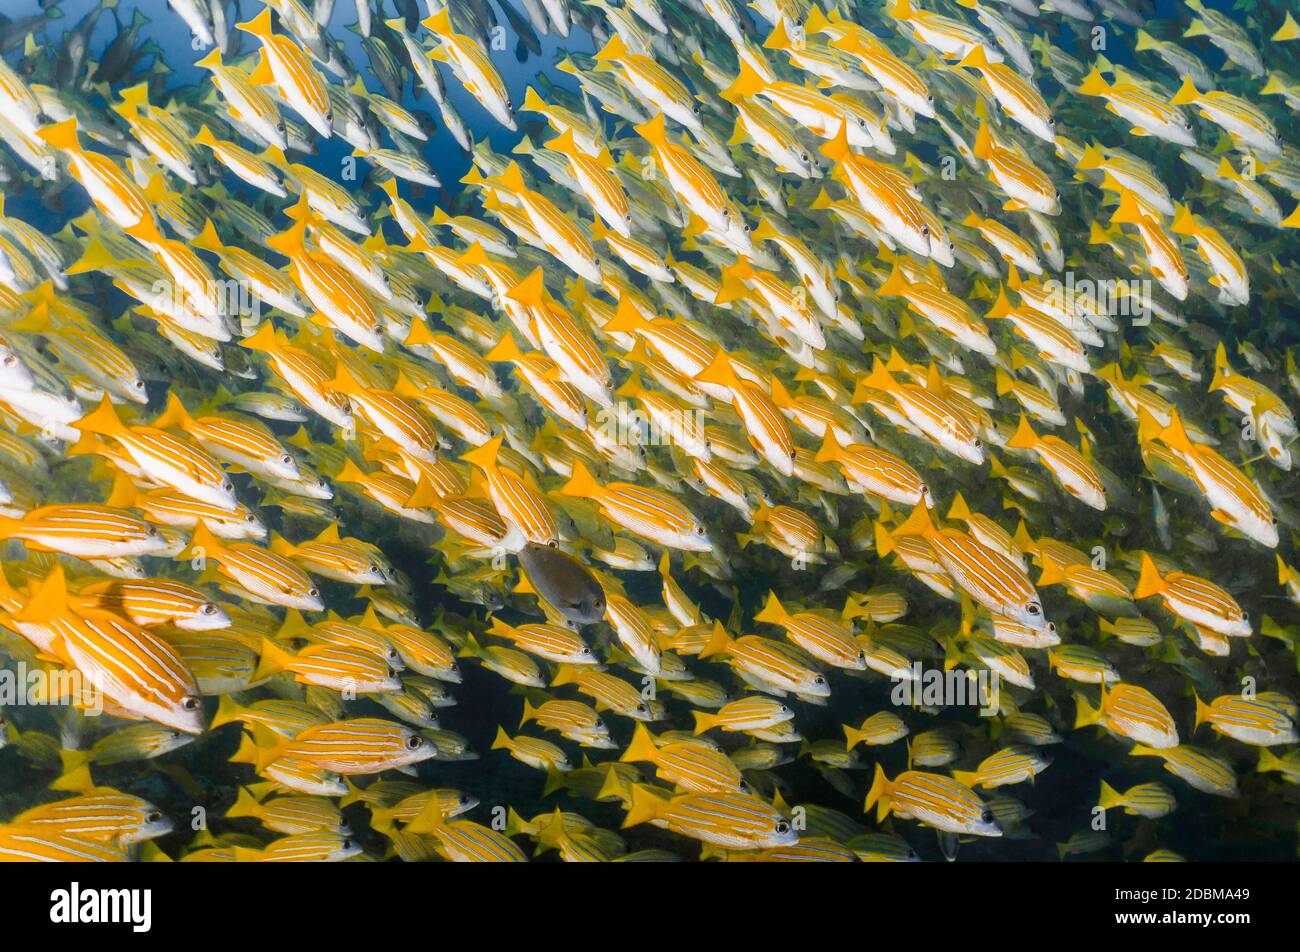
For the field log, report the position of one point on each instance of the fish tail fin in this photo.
(1085, 714)
(614, 50)
(1149, 580)
(531, 291)
(61, 135)
(259, 26)
(1024, 438)
(175, 415)
(642, 746)
(748, 82)
(1202, 711)
(228, 711)
(1175, 434)
(977, 58)
(917, 523)
(75, 776)
(1268, 761)
(1109, 797)
(644, 806)
(245, 805)
(1289, 30)
(273, 660)
(1184, 221)
(103, 420)
(1186, 93)
(264, 339)
(704, 721)
(773, 611)
(505, 350)
(654, 131)
(485, 455)
(581, 483)
(967, 778)
(830, 449)
(837, 149)
(895, 284)
(439, 22)
(1094, 84)
(719, 371)
(879, 794)
(719, 642)
(1128, 211)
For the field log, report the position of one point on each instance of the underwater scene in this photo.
(649, 430)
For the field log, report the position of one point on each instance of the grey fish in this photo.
(564, 582)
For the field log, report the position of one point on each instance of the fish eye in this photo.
(286, 459)
(329, 115)
(509, 104)
(10, 360)
(1245, 615)
(154, 816)
(642, 708)
(191, 703)
(1051, 121)
(314, 592)
(345, 844)
(1033, 609)
(782, 827)
(925, 491)
(695, 108)
(227, 486)
(1051, 627)
(700, 530)
(978, 443)
(151, 532)
(137, 384)
(209, 608)
(793, 455)
(374, 567)
(552, 543)
(414, 742)
(819, 680)
(987, 816)
(925, 230)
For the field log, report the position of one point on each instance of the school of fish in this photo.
(787, 355)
